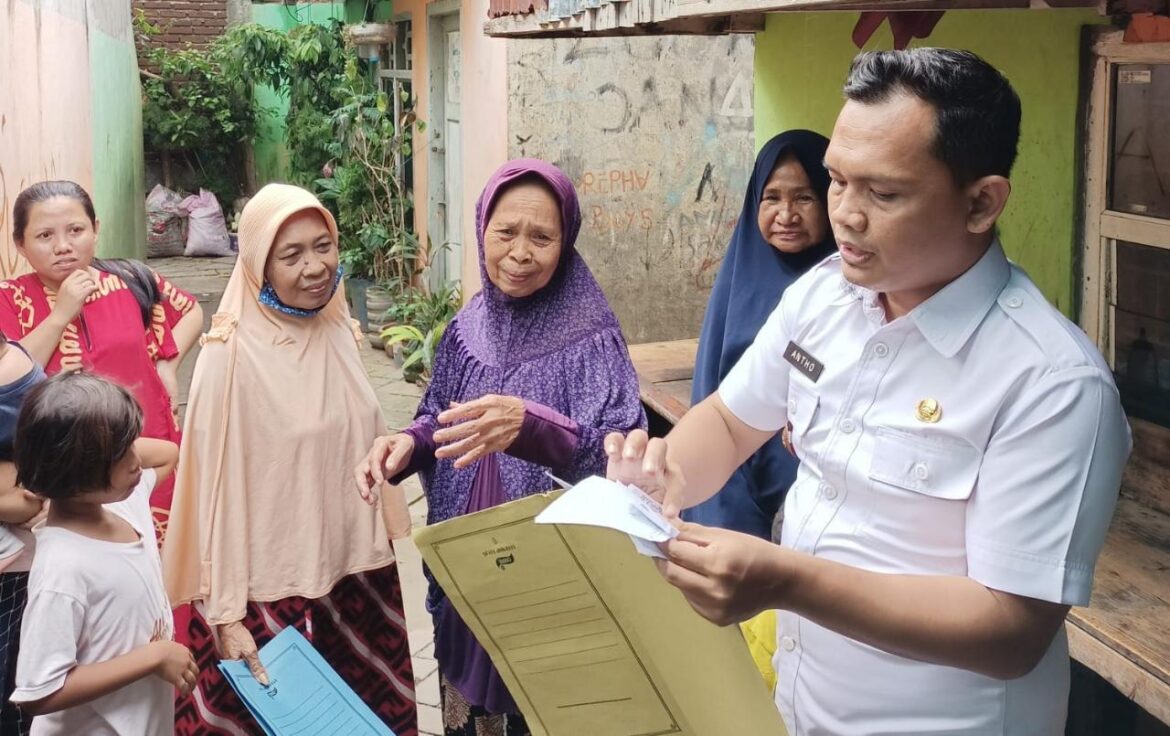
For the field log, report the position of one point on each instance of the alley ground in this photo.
(206, 279)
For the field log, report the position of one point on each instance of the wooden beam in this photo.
(592, 23)
(718, 17)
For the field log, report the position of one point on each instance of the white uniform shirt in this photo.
(90, 601)
(1013, 486)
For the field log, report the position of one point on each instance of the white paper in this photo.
(596, 501)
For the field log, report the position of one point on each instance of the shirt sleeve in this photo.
(756, 388)
(10, 317)
(1047, 487)
(175, 302)
(10, 547)
(48, 644)
(546, 437)
(173, 305)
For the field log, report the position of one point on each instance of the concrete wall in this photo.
(656, 133)
(69, 110)
(802, 60)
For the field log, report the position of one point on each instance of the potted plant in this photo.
(425, 317)
(366, 190)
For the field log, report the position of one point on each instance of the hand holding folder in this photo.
(304, 696)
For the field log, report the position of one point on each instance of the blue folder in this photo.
(304, 697)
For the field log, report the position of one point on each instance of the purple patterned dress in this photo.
(562, 351)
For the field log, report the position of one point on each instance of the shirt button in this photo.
(787, 643)
(881, 350)
(792, 406)
(828, 491)
(848, 425)
(921, 472)
(1015, 302)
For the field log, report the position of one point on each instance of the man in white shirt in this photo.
(961, 442)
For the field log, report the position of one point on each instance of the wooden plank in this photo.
(687, 8)
(1147, 476)
(1132, 681)
(665, 361)
(670, 400)
(1130, 608)
(1150, 231)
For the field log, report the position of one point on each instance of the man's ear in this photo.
(987, 197)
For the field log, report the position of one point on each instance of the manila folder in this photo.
(587, 635)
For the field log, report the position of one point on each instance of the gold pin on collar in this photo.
(929, 411)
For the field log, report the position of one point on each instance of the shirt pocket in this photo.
(802, 409)
(942, 468)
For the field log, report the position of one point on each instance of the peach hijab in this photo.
(280, 413)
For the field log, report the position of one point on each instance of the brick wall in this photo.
(185, 21)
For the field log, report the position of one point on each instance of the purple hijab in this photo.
(560, 349)
(503, 331)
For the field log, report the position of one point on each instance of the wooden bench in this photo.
(1124, 634)
(664, 372)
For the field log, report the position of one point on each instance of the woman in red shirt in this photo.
(118, 319)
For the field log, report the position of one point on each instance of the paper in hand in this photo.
(596, 501)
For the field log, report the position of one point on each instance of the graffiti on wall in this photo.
(657, 135)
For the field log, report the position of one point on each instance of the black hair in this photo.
(137, 276)
(71, 431)
(977, 132)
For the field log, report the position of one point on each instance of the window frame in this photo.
(1104, 227)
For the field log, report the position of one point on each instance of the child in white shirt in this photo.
(96, 655)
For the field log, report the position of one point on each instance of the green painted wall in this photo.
(355, 10)
(802, 60)
(271, 153)
(116, 117)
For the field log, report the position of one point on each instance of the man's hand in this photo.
(726, 576)
(637, 460)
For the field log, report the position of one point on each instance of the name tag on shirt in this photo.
(803, 362)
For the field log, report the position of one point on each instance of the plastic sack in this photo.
(165, 223)
(207, 233)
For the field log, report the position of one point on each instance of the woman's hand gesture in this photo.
(387, 458)
(71, 295)
(489, 424)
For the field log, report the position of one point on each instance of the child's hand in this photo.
(36, 518)
(176, 665)
(18, 506)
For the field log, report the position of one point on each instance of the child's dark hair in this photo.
(72, 429)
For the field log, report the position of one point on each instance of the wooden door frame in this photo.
(1107, 50)
(436, 141)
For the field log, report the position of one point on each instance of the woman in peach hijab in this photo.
(265, 530)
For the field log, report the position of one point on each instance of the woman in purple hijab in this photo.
(530, 376)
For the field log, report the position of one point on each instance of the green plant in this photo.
(366, 189)
(316, 85)
(422, 319)
(198, 104)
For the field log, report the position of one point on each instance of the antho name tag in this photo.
(803, 362)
